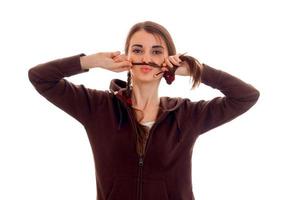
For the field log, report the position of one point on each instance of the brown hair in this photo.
(194, 68)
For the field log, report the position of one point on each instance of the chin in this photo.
(146, 79)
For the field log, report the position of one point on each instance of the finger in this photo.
(168, 63)
(177, 58)
(125, 64)
(121, 57)
(174, 61)
(113, 54)
(122, 69)
(159, 74)
(118, 59)
(164, 69)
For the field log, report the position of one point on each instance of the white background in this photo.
(45, 153)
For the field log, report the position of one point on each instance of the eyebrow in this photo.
(154, 46)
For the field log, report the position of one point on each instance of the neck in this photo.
(145, 95)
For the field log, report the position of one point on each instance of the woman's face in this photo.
(144, 48)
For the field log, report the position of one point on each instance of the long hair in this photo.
(193, 64)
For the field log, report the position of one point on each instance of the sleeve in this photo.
(239, 97)
(76, 100)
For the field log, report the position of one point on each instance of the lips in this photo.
(145, 68)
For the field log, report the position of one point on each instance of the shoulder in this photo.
(178, 103)
(98, 96)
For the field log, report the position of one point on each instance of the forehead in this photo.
(146, 39)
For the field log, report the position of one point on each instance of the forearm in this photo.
(237, 91)
(46, 75)
(207, 114)
(48, 80)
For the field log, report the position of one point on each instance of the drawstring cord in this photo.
(120, 115)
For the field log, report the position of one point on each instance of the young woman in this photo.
(142, 143)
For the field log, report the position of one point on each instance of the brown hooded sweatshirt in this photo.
(164, 172)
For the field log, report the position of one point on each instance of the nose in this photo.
(146, 58)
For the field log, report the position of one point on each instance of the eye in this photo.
(157, 52)
(136, 50)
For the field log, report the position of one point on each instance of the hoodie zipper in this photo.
(140, 163)
(142, 158)
(139, 185)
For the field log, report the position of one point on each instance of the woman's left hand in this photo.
(182, 70)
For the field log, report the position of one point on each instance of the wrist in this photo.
(84, 62)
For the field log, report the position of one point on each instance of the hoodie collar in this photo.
(167, 104)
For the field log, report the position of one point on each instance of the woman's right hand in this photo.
(112, 61)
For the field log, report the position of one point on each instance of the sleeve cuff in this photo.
(71, 65)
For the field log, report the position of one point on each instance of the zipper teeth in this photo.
(140, 164)
(142, 158)
(139, 185)
(141, 189)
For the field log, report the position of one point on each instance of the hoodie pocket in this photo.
(123, 188)
(154, 189)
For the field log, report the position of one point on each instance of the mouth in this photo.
(145, 68)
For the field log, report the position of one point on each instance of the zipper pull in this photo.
(141, 161)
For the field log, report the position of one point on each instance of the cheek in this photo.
(129, 57)
(133, 58)
(134, 69)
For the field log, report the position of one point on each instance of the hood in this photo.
(168, 105)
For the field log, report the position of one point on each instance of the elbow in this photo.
(32, 76)
(256, 95)
(252, 95)
(253, 98)
(248, 101)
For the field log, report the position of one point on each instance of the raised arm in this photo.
(76, 100)
(239, 97)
